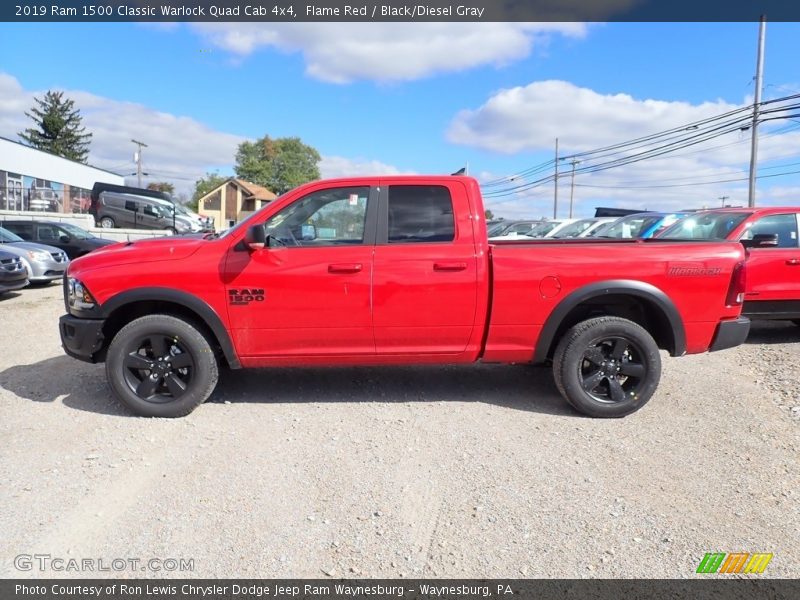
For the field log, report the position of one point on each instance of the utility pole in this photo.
(572, 186)
(751, 194)
(139, 161)
(555, 185)
(722, 199)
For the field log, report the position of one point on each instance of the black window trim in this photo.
(382, 238)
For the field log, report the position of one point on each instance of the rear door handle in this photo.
(449, 266)
(793, 262)
(345, 268)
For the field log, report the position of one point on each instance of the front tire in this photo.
(607, 367)
(161, 366)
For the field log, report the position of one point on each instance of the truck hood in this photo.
(141, 251)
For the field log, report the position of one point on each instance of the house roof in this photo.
(253, 190)
(249, 190)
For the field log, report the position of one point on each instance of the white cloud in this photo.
(337, 166)
(529, 118)
(180, 149)
(344, 52)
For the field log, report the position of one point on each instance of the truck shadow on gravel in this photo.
(773, 332)
(83, 386)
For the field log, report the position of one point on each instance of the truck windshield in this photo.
(705, 226)
(245, 223)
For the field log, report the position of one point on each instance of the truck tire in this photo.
(161, 366)
(607, 367)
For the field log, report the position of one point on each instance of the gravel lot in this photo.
(438, 472)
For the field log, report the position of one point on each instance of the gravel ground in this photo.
(438, 472)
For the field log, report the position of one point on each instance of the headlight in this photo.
(78, 296)
(39, 255)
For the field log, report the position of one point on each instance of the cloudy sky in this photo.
(420, 98)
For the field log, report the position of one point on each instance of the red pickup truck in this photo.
(396, 270)
(772, 238)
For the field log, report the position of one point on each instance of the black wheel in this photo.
(161, 366)
(107, 223)
(607, 367)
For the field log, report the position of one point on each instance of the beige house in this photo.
(233, 201)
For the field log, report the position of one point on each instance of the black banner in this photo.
(399, 10)
(714, 587)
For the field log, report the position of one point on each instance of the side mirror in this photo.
(64, 238)
(255, 238)
(762, 240)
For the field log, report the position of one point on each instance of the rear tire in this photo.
(607, 367)
(107, 223)
(161, 366)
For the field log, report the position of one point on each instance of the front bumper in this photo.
(730, 334)
(81, 338)
(13, 281)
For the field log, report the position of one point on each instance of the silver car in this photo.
(44, 263)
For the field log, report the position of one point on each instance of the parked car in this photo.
(395, 270)
(43, 263)
(13, 275)
(114, 209)
(70, 238)
(124, 206)
(631, 226)
(599, 224)
(773, 263)
(511, 228)
(203, 223)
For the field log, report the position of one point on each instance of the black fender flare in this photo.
(639, 289)
(185, 299)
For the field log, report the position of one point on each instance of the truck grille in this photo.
(11, 264)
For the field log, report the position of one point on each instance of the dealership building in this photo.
(32, 179)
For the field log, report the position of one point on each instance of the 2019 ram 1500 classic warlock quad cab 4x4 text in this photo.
(396, 270)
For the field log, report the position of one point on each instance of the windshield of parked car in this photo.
(496, 228)
(542, 229)
(630, 227)
(705, 226)
(6, 237)
(76, 232)
(574, 229)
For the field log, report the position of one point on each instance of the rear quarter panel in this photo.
(531, 279)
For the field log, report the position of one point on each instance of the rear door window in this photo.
(23, 230)
(420, 214)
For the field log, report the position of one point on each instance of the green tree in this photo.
(162, 186)
(58, 128)
(278, 164)
(204, 185)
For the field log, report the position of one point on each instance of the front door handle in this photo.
(345, 268)
(793, 262)
(449, 266)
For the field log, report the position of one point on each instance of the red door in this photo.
(773, 274)
(425, 270)
(308, 294)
